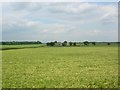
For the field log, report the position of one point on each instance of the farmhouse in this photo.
(58, 44)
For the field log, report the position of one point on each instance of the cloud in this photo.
(0, 22)
(85, 12)
(60, 21)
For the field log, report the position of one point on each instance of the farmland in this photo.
(60, 67)
(9, 47)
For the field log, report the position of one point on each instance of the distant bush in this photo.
(86, 43)
(93, 43)
(64, 43)
(20, 42)
(70, 43)
(74, 43)
(108, 43)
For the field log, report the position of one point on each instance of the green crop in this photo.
(60, 67)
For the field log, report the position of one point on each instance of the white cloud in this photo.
(59, 1)
(50, 21)
(0, 22)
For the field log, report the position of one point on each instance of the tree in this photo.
(52, 43)
(21, 42)
(86, 43)
(48, 44)
(38, 42)
(74, 43)
(93, 43)
(55, 42)
(108, 43)
(70, 43)
(64, 43)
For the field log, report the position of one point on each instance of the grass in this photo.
(9, 47)
(0, 69)
(60, 67)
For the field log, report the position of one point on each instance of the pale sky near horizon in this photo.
(60, 21)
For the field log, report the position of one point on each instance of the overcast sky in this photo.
(60, 21)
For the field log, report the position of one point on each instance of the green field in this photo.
(9, 47)
(60, 67)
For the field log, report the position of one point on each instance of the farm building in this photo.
(58, 44)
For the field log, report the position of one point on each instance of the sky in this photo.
(59, 0)
(60, 21)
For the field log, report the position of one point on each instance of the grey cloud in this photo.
(70, 21)
(25, 6)
(86, 12)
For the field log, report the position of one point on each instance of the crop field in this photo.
(0, 69)
(9, 47)
(60, 67)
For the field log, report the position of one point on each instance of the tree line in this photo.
(54, 43)
(65, 43)
(20, 42)
(85, 43)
